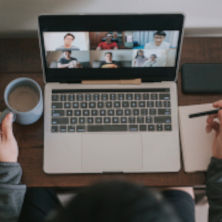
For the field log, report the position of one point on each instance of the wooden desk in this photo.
(20, 57)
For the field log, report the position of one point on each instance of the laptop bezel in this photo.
(108, 23)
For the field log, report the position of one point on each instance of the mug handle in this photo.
(4, 113)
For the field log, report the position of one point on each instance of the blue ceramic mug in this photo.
(23, 97)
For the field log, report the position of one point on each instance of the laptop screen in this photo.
(72, 52)
(111, 49)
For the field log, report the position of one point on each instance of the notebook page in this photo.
(196, 143)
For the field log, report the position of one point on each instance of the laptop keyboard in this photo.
(108, 110)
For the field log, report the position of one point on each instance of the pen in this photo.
(214, 111)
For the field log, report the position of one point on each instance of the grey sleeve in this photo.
(12, 193)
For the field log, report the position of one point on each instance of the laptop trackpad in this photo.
(103, 152)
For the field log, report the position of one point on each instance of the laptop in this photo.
(110, 93)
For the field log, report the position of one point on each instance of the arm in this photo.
(11, 191)
(214, 172)
(63, 65)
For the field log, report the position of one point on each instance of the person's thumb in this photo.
(7, 126)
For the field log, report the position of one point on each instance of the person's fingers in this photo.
(220, 118)
(217, 104)
(7, 126)
(214, 125)
(211, 118)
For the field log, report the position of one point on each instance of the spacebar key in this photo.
(107, 128)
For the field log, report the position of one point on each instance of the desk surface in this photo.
(20, 57)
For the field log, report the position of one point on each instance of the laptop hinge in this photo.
(120, 81)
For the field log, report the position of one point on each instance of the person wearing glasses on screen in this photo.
(158, 41)
(66, 61)
(108, 43)
(68, 41)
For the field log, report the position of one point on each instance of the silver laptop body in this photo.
(122, 142)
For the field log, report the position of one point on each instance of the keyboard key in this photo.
(159, 127)
(158, 104)
(104, 97)
(133, 104)
(62, 129)
(166, 103)
(108, 104)
(112, 96)
(136, 112)
(73, 120)
(55, 97)
(96, 97)
(71, 97)
(140, 119)
(98, 120)
(71, 129)
(154, 96)
(106, 128)
(162, 119)
(119, 112)
(94, 112)
(58, 113)
(164, 96)
(84, 105)
(80, 129)
(89, 120)
(56, 121)
(69, 112)
(54, 129)
(123, 119)
(150, 104)
(92, 105)
(168, 127)
(152, 112)
(63, 98)
(77, 112)
(87, 97)
(137, 96)
(127, 112)
(102, 112)
(79, 97)
(142, 104)
(149, 119)
(151, 127)
(132, 119)
(81, 120)
(116, 104)
(144, 112)
(125, 104)
(67, 105)
(133, 128)
(146, 96)
(75, 105)
(115, 120)
(107, 120)
(111, 112)
(86, 112)
(142, 127)
(57, 105)
(121, 96)
(164, 111)
(100, 104)
(129, 96)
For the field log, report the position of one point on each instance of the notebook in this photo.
(195, 141)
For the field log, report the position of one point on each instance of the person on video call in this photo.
(152, 61)
(66, 61)
(68, 41)
(108, 63)
(139, 59)
(158, 41)
(106, 201)
(108, 43)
